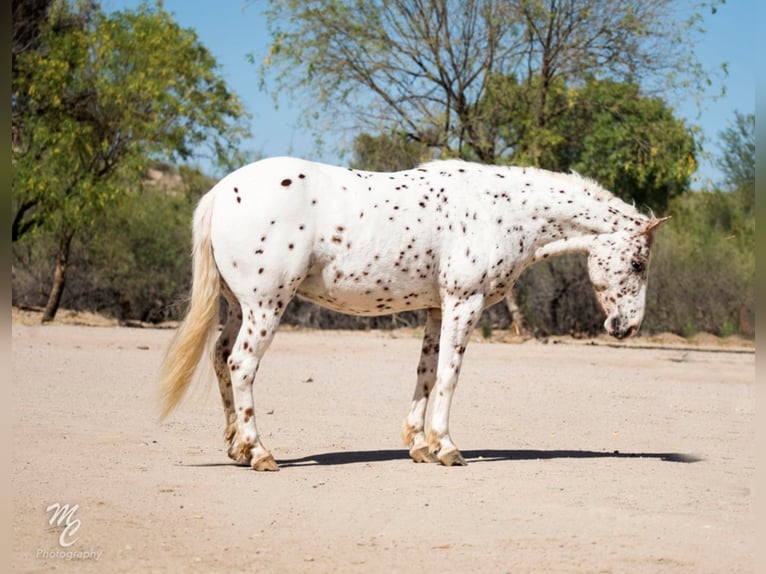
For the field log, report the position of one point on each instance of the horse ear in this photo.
(654, 224)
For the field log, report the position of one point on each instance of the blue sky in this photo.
(231, 30)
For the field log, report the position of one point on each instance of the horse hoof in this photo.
(452, 458)
(422, 454)
(265, 464)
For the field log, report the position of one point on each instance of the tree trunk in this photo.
(59, 276)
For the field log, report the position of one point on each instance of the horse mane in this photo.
(589, 185)
(598, 192)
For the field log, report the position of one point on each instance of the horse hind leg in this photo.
(223, 348)
(255, 334)
(413, 433)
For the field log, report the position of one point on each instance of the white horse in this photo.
(451, 237)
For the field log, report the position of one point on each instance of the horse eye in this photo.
(637, 266)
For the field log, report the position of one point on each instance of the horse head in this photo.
(618, 265)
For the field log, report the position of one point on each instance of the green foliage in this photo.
(501, 122)
(737, 162)
(144, 267)
(606, 130)
(133, 263)
(531, 83)
(556, 85)
(101, 98)
(629, 143)
(387, 152)
(431, 69)
(100, 101)
(702, 276)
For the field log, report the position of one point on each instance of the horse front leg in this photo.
(459, 317)
(413, 432)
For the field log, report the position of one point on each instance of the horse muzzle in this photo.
(619, 328)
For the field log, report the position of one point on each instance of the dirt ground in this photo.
(584, 456)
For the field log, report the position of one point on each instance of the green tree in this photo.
(387, 152)
(28, 19)
(628, 142)
(141, 271)
(704, 265)
(502, 82)
(737, 161)
(428, 68)
(103, 99)
(703, 268)
(607, 130)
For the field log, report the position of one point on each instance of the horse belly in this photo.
(359, 291)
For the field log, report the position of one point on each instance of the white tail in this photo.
(198, 327)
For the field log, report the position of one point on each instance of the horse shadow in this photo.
(340, 458)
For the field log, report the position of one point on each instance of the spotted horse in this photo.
(449, 236)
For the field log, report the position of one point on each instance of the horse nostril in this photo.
(619, 328)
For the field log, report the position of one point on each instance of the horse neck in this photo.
(554, 248)
(573, 218)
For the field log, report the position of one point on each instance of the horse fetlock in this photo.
(230, 432)
(241, 446)
(411, 434)
(434, 441)
(239, 451)
(442, 449)
(414, 438)
(422, 453)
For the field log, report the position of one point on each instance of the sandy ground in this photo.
(582, 457)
